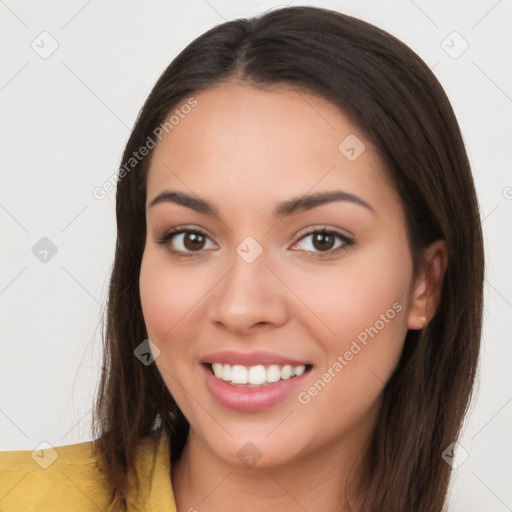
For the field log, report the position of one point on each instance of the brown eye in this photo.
(323, 241)
(193, 241)
(186, 242)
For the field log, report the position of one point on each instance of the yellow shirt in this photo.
(68, 479)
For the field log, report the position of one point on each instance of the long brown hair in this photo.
(395, 99)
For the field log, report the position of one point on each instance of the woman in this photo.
(295, 306)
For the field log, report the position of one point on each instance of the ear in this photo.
(426, 292)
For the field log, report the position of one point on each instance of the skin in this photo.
(245, 149)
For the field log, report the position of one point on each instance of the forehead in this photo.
(244, 144)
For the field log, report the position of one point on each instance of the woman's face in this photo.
(276, 281)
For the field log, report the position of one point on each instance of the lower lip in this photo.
(250, 399)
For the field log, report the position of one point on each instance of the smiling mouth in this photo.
(257, 375)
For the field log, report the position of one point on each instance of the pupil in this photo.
(323, 241)
(194, 241)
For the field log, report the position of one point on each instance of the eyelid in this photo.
(180, 229)
(317, 228)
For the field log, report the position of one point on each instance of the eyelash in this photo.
(169, 235)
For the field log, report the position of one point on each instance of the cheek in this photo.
(157, 305)
(168, 294)
(167, 299)
(362, 308)
(348, 385)
(344, 300)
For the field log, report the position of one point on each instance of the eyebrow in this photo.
(284, 209)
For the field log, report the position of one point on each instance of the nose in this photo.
(248, 297)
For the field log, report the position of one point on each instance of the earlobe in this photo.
(426, 293)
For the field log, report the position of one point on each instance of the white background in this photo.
(65, 120)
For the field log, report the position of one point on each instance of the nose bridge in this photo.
(247, 282)
(247, 294)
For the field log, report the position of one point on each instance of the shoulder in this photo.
(65, 478)
(54, 478)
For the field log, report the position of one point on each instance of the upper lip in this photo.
(254, 358)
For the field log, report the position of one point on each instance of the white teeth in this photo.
(256, 375)
(299, 370)
(286, 372)
(238, 374)
(273, 373)
(217, 370)
(226, 372)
